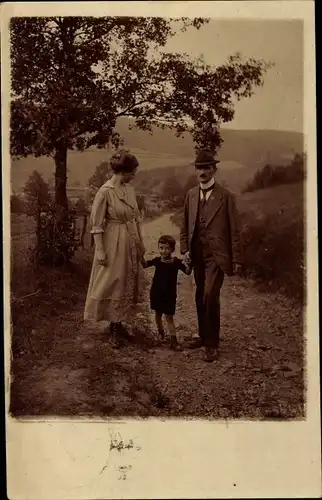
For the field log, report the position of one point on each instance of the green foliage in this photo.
(74, 77)
(273, 176)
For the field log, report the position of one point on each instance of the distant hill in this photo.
(242, 146)
(242, 152)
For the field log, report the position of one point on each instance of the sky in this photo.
(278, 104)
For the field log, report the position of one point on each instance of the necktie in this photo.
(205, 191)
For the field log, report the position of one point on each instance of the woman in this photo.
(115, 225)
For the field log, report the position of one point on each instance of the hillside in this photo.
(242, 146)
(242, 153)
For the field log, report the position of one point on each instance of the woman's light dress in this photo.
(113, 290)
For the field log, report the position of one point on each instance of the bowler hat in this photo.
(205, 157)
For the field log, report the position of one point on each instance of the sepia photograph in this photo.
(158, 244)
(129, 290)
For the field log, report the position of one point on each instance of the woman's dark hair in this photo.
(165, 239)
(123, 162)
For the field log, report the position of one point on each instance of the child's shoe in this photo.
(161, 335)
(174, 344)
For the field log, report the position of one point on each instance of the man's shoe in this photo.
(211, 354)
(122, 332)
(195, 344)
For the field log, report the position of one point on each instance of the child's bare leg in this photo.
(158, 320)
(172, 330)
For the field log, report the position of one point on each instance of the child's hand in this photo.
(189, 269)
(187, 259)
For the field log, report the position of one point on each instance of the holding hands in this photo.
(238, 269)
(187, 259)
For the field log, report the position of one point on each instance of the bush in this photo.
(58, 240)
(272, 176)
(16, 204)
(274, 252)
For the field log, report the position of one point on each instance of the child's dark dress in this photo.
(163, 294)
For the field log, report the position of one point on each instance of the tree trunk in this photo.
(38, 235)
(61, 178)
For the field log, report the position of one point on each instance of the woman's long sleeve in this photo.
(98, 213)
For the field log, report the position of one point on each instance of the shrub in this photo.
(16, 204)
(57, 239)
(273, 176)
(274, 252)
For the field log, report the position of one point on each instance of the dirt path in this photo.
(259, 374)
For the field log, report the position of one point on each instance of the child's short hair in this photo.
(165, 239)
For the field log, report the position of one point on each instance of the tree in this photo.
(16, 204)
(100, 176)
(173, 192)
(37, 194)
(81, 206)
(191, 182)
(73, 77)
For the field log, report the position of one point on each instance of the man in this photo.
(210, 240)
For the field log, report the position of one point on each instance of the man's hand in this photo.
(238, 268)
(101, 258)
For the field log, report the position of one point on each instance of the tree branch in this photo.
(135, 105)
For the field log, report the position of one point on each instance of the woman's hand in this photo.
(142, 249)
(101, 258)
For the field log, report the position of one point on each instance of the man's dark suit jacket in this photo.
(222, 226)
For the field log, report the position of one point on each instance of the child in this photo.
(163, 292)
